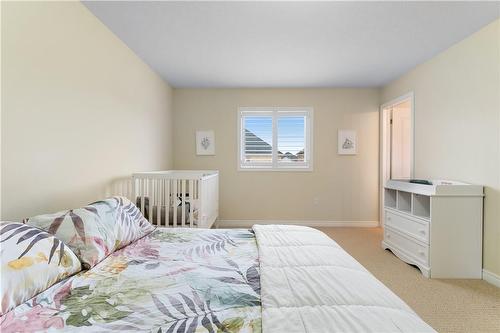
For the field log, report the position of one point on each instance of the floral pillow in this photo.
(32, 261)
(97, 230)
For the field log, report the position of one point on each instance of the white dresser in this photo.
(438, 227)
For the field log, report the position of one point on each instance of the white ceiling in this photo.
(289, 44)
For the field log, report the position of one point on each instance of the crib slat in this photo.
(201, 208)
(149, 186)
(162, 201)
(174, 203)
(179, 195)
(152, 199)
(141, 195)
(133, 190)
(128, 190)
(166, 202)
(150, 203)
(155, 204)
(191, 203)
(131, 185)
(183, 213)
(146, 199)
(165, 198)
(158, 202)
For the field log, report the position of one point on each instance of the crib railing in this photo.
(177, 198)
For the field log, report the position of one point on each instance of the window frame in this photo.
(275, 164)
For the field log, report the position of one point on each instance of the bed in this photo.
(268, 278)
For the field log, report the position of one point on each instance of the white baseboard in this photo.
(492, 278)
(308, 223)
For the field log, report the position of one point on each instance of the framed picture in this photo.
(205, 143)
(347, 144)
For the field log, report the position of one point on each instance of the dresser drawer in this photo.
(412, 227)
(410, 247)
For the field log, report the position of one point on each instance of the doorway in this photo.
(400, 140)
(396, 142)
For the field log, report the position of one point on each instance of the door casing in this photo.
(385, 158)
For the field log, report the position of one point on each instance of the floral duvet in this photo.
(172, 280)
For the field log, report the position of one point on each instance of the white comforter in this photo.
(310, 284)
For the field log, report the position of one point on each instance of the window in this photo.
(275, 139)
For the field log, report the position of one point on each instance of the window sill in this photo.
(283, 169)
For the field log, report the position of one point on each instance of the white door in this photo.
(400, 160)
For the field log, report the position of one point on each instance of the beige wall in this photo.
(79, 108)
(344, 187)
(457, 122)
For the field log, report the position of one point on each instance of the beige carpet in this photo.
(447, 305)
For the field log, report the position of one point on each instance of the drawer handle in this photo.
(421, 252)
(388, 218)
(388, 236)
(422, 231)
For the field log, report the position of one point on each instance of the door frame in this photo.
(385, 145)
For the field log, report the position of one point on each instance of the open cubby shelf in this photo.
(421, 205)
(404, 201)
(410, 203)
(390, 198)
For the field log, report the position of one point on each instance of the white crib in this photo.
(176, 198)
